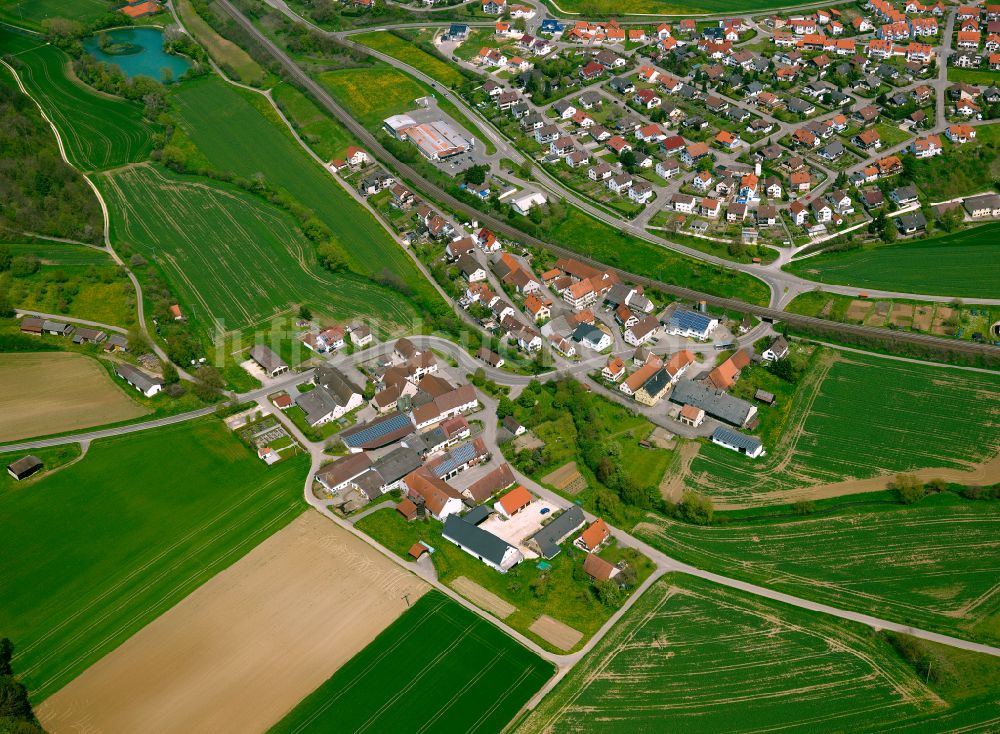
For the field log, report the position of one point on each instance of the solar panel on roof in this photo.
(455, 458)
(373, 431)
(734, 438)
(689, 320)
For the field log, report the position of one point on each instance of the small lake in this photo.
(138, 52)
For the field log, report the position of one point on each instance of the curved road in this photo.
(436, 193)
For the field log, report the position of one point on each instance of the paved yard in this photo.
(524, 524)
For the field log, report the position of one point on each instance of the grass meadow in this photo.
(238, 131)
(932, 565)
(961, 170)
(235, 260)
(31, 13)
(439, 667)
(392, 45)
(604, 8)
(95, 551)
(324, 135)
(373, 93)
(224, 52)
(73, 280)
(590, 237)
(99, 131)
(695, 657)
(857, 417)
(958, 264)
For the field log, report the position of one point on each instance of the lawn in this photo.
(73, 280)
(373, 93)
(931, 565)
(602, 437)
(558, 592)
(138, 523)
(235, 261)
(961, 170)
(984, 77)
(234, 60)
(891, 135)
(592, 238)
(695, 657)
(392, 45)
(98, 130)
(958, 264)
(857, 418)
(210, 110)
(324, 135)
(31, 13)
(439, 667)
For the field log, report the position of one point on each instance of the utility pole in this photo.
(407, 598)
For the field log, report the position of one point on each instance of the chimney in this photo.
(756, 169)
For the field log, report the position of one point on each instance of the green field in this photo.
(238, 131)
(959, 264)
(588, 236)
(99, 131)
(95, 551)
(233, 59)
(392, 45)
(324, 135)
(695, 657)
(73, 280)
(931, 565)
(439, 667)
(234, 260)
(374, 93)
(31, 13)
(856, 417)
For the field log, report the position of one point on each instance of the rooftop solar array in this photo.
(375, 430)
(737, 439)
(692, 320)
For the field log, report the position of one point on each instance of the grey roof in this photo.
(911, 220)
(266, 358)
(336, 383)
(657, 383)
(26, 464)
(550, 536)
(135, 376)
(905, 192)
(982, 201)
(477, 514)
(483, 544)
(735, 438)
(397, 464)
(118, 340)
(56, 326)
(317, 404)
(715, 403)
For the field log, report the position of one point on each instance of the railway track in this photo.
(436, 193)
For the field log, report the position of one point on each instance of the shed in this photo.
(25, 467)
(764, 397)
(408, 509)
(417, 550)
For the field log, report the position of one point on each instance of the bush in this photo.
(696, 508)
(909, 488)
(24, 265)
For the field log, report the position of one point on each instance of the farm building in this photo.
(488, 548)
(89, 336)
(715, 403)
(144, 383)
(484, 488)
(25, 467)
(547, 539)
(691, 416)
(31, 325)
(513, 502)
(378, 433)
(739, 442)
(599, 569)
(338, 474)
(270, 362)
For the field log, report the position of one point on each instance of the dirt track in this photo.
(985, 474)
(246, 647)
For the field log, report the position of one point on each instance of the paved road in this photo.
(412, 176)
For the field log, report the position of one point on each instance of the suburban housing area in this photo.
(432, 366)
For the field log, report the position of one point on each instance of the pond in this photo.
(137, 52)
